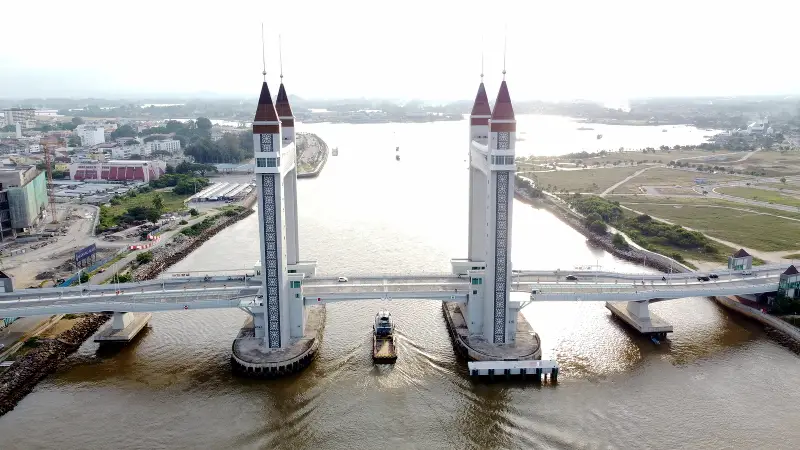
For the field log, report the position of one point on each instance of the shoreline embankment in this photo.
(27, 371)
(323, 146)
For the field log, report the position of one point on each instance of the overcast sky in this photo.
(602, 50)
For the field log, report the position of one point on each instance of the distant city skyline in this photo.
(608, 52)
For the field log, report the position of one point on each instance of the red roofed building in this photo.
(127, 170)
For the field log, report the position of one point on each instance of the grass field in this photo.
(172, 202)
(662, 176)
(750, 229)
(761, 195)
(588, 180)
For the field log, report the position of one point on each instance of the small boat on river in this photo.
(383, 347)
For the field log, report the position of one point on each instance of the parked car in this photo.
(571, 278)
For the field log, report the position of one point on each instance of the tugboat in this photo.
(336, 151)
(397, 157)
(599, 136)
(383, 349)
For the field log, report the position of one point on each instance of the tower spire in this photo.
(282, 101)
(280, 56)
(263, 55)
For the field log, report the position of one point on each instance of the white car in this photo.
(342, 279)
(747, 272)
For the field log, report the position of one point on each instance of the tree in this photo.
(170, 169)
(123, 131)
(85, 277)
(158, 202)
(144, 257)
(77, 121)
(74, 141)
(203, 124)
(152, 215)
(619, 241)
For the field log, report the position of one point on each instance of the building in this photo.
(789, 284)
(26, 193)
(741, 260)
(126, 151)
(26, 117)
(90, 135)
(115, 170)
(167, 145)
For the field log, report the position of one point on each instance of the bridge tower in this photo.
(488, 311)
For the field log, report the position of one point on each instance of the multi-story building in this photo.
(26, 117)
(26, 193)
(90, 134)
(6, 229)
(167, 145)
(126, 151)
(114, 170)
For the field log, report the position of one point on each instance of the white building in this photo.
(167, 145)
(90, 135)
(126, 151)
(26, 117)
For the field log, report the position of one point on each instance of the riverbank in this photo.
(631, 254)
(312, 154)
(742, 307)
(182, 246)
(27, 371)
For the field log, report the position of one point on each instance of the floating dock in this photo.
(537, 369)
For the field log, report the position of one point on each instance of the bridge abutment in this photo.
(123, 327)
(639, 317)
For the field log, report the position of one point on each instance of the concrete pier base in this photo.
(645, 322)
(250, 357)
(123, 327)
(476, 348)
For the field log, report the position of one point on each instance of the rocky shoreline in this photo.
(323, 148)
(26, 372)
(631, 254)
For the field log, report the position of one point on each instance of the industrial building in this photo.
(132, 170)
(23, 199)
(222, 191)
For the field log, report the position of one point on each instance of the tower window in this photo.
(272, 162)
(261, 162)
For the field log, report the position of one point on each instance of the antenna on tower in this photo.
(481, 58)
(280, 55)
(505, 48)
(263, 54)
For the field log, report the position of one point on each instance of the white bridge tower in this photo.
(488, 311)
(280, 316)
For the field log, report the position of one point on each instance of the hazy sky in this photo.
(430, 49)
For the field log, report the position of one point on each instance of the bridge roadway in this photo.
(197, 291)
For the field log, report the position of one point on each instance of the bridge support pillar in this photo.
(638, 316)
(123, 327)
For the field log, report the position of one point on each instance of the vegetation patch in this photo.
(199, 227)
(671, 240)
(761, 195)
(136, 208)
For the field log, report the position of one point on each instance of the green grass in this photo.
(110, 214)
(662, 176)
(761, 195)
(587, 180)
(793, 256)
(703, 201)
(749, 229)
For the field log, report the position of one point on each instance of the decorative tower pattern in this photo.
(267, 139)
(502, 126)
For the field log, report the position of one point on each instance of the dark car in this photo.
(713, 275)
(703, 279)
(571, 278)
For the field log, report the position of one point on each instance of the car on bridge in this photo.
(342, 279)
(703, 278)
(713, 275)
(571, 278)
(747, 272)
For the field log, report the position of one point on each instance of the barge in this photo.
(384, 350)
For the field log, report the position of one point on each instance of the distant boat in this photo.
(599, 136)
(397, 149)
(336, 151)
(397, 157)
(664, 130)
(585, 129)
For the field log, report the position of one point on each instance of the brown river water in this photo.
(719, 381)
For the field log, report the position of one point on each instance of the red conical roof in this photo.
(265, 111)
(481, 105)
(282, 103)
(502, 106)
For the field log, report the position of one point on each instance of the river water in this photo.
(718, 382)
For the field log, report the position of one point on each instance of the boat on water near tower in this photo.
(383, 348)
